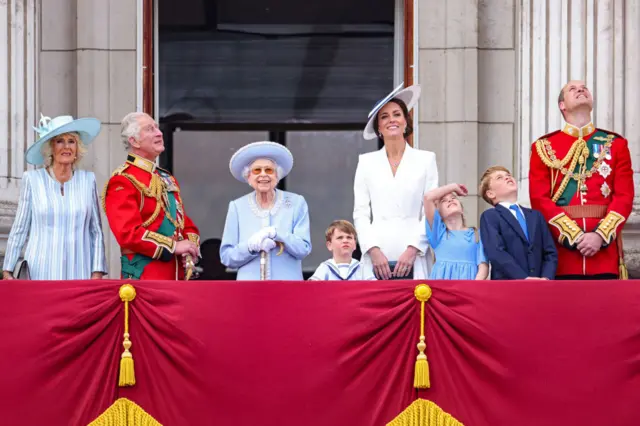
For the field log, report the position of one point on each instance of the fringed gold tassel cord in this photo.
(127, 373)
(424, 413)
(623, 273)
(125, 413)
(421, 374)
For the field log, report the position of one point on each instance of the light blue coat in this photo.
(65, 233)
(289, 215)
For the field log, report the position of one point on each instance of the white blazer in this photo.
(388, 211)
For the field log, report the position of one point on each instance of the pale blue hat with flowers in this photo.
(254, 151)
(86, 128)
(409, 96)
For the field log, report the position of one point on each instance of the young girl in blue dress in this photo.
(458, 248)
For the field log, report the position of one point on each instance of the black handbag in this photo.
(21, 271)
(409, 276)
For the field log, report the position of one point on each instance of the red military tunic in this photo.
(581, 180)
(144, 209)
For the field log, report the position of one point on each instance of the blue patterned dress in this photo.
(65, 232)
(458, 253)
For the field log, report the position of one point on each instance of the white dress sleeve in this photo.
(362, 210)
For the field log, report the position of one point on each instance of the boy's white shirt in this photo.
(329, 270)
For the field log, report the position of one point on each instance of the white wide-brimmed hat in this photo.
(409, 96)
(86, 128)
(257, 150)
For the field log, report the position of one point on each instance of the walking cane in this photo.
(263, 265)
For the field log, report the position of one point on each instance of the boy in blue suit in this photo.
(517, 240)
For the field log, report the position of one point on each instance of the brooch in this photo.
(604, 170)
(606, 191)
(287, 203)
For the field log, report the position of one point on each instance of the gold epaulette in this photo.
(610, 132)
(548, 135)
(117, 172)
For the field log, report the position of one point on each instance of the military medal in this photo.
(606, 191)
(597, 150)
(604, 170)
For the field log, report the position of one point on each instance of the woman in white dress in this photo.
(388, 191)
(58, 208)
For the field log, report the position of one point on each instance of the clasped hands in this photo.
(589, 243)
(263, 240)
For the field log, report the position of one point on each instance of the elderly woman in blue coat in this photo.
(267, 219)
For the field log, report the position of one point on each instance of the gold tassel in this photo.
(421, 374)
(127, 373)
(123, 412)
(623, 273)
(422, 412)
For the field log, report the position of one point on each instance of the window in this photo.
(231, 72)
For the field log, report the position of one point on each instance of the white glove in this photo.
(267, 245)
(270, 232)
(255, 242)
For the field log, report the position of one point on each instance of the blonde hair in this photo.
(340, 225)
(47, 149)
(464, 222)
(485, 181)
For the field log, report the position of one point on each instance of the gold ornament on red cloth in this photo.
(422, 412)
(127, 374)
(421, 375)
(127, 413)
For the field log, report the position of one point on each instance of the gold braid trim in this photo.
(568, 228)
(422, 412)
(159, 240)
(194, 238)
(608, 226)
(578, 153)
(125, 412)
(155, 190)
(103, 196)
(574, 154)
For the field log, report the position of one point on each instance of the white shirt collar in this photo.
(507, 205)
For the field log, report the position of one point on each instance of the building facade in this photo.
(490, 73)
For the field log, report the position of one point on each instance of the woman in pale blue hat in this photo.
(58, 208)
(268, 224)
(389, 187)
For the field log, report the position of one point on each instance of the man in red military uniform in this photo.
(144, 208)
(581, 180)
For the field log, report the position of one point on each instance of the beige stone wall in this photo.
(87, 64)
(467, 69)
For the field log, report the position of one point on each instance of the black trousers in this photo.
(587, 277)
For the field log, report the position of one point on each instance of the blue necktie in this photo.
(521, 221)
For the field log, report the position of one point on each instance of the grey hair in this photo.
(247, 169)
(47, 149)
(130, 127)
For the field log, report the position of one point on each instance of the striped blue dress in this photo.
(65, 232)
